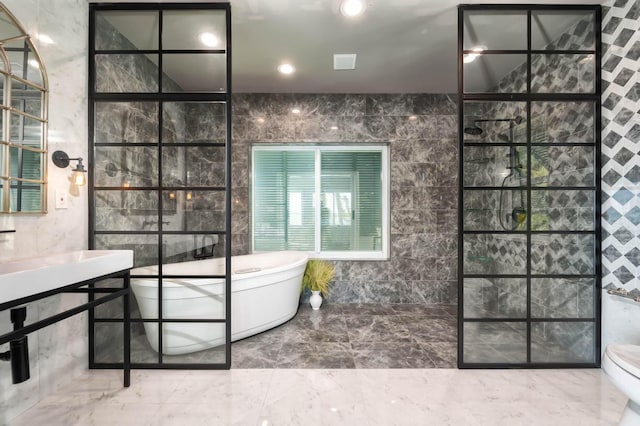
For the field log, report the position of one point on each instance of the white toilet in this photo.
(622, 364)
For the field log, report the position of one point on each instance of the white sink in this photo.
(27, 277)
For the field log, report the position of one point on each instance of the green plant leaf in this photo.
(318, 276)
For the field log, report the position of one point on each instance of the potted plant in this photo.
(317, 278)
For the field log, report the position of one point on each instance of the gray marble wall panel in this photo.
(422, 133)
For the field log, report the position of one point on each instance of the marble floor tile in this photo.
(427, 329)
(442, 354)
(250, 354)
(316, 355)
(390, 355)
(387, 328)
(379, 397)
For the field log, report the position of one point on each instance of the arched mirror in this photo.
(23, 120)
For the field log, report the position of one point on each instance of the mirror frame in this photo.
(7, 141)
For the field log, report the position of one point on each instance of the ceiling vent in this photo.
(344, 61)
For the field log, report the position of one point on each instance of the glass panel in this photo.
(121, 73)
(495, 298)
(495, 254)
(563, 342)
(351, 201)
(126, 30)
(193, 343)
(562, 254)
(109, 341)
(15, 167)
(495, 74)
(126, 122)
(495, 342)
(494, 166)
(26, 131)
(25, 64)
(8, 29)
(555, 73)
(562, 297)
(131, 166)
(145, 247)
(500, 122)
(194, 211)
(562, 30)
(113, 309)
(126, 210)
(193, 298)
(194, 73)
(194, 122)
(193, 166)
(562, 166)
(26, 99)
(495, 30)
(194, 30)
(25, 164)
(562, 210)
(178, 249)
(284, 185)
(562, 122)
(495, 210)
(3, 137)
(26, 197)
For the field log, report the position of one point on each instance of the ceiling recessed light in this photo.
(413, 118)
(260, 120)
(351, 8)
(208, 39)
(296, 110)
(286, 69)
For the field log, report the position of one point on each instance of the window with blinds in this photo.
(329, 200)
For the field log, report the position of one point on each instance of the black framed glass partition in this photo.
(529, 222)
(160, 157)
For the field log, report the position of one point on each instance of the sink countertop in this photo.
(27, 277)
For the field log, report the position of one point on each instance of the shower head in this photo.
(475, 130)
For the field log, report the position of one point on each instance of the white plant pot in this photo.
(315, 300)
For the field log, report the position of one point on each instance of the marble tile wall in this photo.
(422, 133)
(58, 353)
(620, 169)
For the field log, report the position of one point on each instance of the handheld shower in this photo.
(518, 213)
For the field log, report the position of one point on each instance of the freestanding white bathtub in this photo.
(265, 291)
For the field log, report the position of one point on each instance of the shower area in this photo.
(159, 180)
(529, 239)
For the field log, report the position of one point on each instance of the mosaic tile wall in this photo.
(620, 139)
(424, 172)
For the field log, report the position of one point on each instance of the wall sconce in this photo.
(61, 159)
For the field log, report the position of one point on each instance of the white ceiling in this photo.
(402, 46)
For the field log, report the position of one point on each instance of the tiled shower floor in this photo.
(340, 336)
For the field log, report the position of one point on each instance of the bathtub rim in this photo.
(150, 279)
